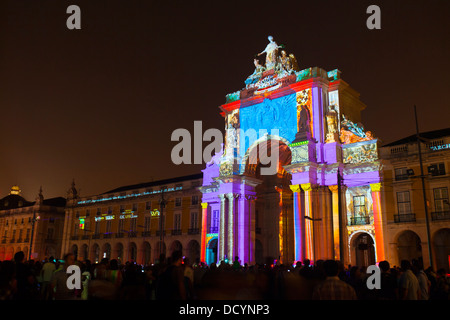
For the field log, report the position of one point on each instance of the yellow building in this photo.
(37, 225)
(408, 235)
(124, 223)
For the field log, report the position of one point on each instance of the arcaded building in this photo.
(418, 215)
(131, 223)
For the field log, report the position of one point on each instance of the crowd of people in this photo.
(176, 278)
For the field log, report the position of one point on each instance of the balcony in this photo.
(145, 233)
(158, 233)
(440, 215)
(132, 234)
(193, 231)
(119, 235)
(107, 235)
(213, 229)
(359, 221)
(96, 236)
(405, 217)
(74, 238)
(176, 232)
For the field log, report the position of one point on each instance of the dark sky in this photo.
(100, 104)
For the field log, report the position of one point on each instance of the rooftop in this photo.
(431, 135)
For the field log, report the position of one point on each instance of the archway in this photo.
(211, 251)
(95, 253)
(132, 254)
(409, 246)
(274, 203)
(106, 251)
(363, 250)
(193, 251)
(85, 251)
(176, 246)
(442, 249)
(119, 252)
(146, 253)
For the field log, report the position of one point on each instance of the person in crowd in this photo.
(388, 283)
(170, 284)
(58, 285)
(409, 285)
(332, 288)
(424, 283)
(46, 273)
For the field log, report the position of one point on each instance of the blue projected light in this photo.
(128, 196)
(280, 114)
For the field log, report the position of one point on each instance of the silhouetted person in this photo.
(25, 278)
(409, 285)
(170, 284)
(333, 288)
(388, 283)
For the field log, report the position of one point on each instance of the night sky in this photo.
(100, 104)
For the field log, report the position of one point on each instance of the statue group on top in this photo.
(277, 60)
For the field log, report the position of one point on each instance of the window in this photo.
(441, 202)
(403, 202)
(401, 174)
(108, 226)
(97, 227)
(177, 202)
(215, 221)
(194, 220)
(99, 211)
(50, 233)
(135, 207)
(437, 169)
(148, 205)
(133, 225)
(194, 200)
(147, 222)
(177, 221)
(110, 210)
(28, 234)
(359, 206)
(122, 208)
(120, 226)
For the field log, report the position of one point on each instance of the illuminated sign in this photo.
(129, 214)
(440, 147)
(155, 213)
(128, 196)
(82, 221)
(110, 217)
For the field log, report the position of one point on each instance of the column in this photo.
(299, 224)
(243, 229)
(222, 228)
(230, 229)
(252, 231)
(309, 247)
(204, 229)
(335, 215)
(378, 221)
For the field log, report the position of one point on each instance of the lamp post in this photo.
(423, 189)
(162, 204)
(33, 222)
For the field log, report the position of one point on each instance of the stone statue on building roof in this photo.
(271, 52)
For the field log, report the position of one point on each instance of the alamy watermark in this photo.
(262, 147)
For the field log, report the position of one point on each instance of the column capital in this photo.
(231, 195)
(375, 187)
(333, 188)
(309, 187)
(204, 205)
(295, 188)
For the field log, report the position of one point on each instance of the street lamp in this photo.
(162, 204)
(33, 222)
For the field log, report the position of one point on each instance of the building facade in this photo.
(34, 227)
(322, 200)
(408, 233)
(126, 223)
